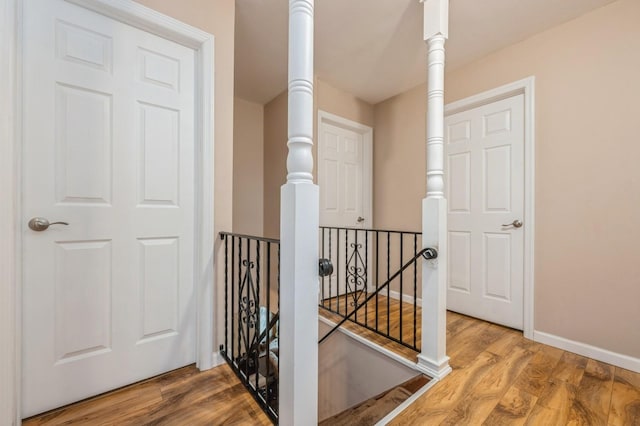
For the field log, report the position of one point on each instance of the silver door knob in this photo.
(360, 219)
(516, 224)
(40, 224)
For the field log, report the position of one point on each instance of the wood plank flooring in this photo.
(388, 320)
(181, 397)
(498, 378)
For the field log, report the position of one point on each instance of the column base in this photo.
(436, 370)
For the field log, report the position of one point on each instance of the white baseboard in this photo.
(405, 298)
(600, 354)
(217, 359)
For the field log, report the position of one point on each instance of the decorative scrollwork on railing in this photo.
(356, 274)
(248, 310)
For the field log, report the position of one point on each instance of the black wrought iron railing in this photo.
(375, 280)
(371, 278)
(251, 314)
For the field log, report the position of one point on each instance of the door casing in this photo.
(526, 87)
(11, 219)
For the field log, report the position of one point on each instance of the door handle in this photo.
(40, 224)
(360, 219)
(516, 224)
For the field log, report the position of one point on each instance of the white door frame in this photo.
(367, 157)
(525, 87)
(148, 20)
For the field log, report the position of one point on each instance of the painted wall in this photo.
(216, 17)
(248, 160)
(350, 372)
(275, 161)
(587, 272)
(344, 104)
(328, 99)
(399, 161)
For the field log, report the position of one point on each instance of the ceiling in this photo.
(374, 48)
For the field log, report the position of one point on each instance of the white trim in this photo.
(217, 359)
(413, 398)
(10, 386)
(584, 349)
(367, 170)
(406, 298)
(527, 88)
(148, 20)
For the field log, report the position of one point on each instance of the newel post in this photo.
(433, 359)
(299, 220)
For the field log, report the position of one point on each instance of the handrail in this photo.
(432, 254)
(224, 234)
(384, 231)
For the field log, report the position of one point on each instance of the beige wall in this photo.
(344, 104)
(216, 17)
(587, 268)
(328, 99)
(248, 162)
(275, 161)
(399, 161)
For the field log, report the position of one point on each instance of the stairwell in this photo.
(371, 411)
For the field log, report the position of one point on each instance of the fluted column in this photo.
(433, 359)
(299, 219)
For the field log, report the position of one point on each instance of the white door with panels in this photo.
(109, 295)
(344, 178)
(485, 190)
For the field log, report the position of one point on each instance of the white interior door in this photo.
(341, 176)
(344, 177)
(109, 148)
(485, 191)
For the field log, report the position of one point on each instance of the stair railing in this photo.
(427, 253)
(251, 315)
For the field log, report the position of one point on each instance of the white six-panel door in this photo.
(108, 148)
(345, 186)
(341, 169)
(485, 189)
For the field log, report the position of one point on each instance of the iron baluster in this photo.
(400, 304)
(268, 384)
(233, 295)
(226, 293)
(415, 288)
(388, 271)
(377, 275)
(366, 274)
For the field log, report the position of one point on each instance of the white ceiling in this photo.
(374, 48)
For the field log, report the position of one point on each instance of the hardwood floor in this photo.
(498, 378)
(388, 321)
(181, 397)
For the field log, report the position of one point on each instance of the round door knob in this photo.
(40, 224)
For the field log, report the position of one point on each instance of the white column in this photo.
(433, 359)
(299, 211)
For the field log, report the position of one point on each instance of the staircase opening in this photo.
(371, 300)
(372, 410)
